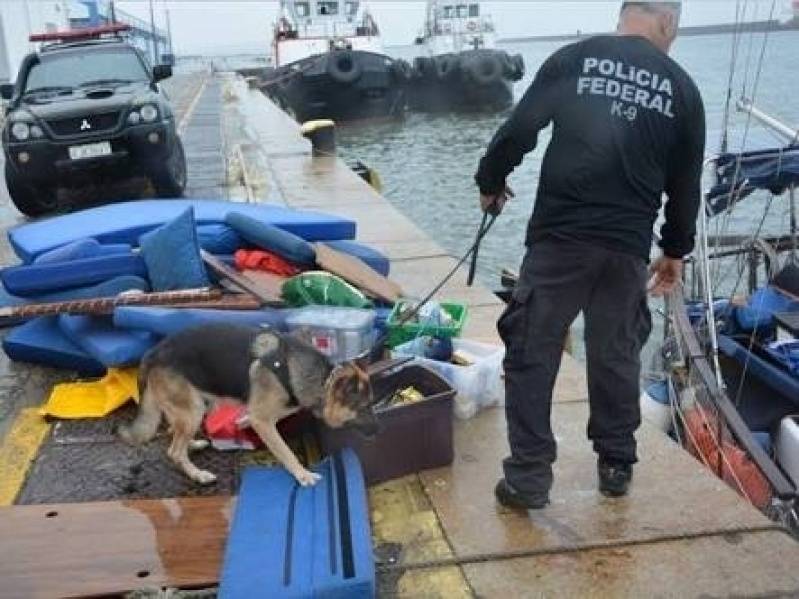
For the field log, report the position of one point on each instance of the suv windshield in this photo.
(67, 70)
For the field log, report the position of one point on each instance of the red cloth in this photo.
(265, 261)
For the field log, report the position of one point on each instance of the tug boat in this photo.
(461, 69)
(328, 63)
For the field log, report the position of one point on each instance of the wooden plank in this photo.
(358, 273)
(90, 549)
(236, 278)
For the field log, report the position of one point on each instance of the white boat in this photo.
(461, 67)
(327, 62)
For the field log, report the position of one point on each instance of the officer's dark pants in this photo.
(558, 280)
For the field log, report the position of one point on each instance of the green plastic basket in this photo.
(401, 333)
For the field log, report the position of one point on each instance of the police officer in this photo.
(628, 126)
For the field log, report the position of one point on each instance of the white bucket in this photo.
(655, 407)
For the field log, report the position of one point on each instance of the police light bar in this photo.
(86, 33)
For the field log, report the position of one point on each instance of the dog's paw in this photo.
(307, 479)
(198, 444)
(205, 478)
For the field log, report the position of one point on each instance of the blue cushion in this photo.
(41, 341)
(218, 239)
(82, 248)
(270, 238)
(33, 280)
(125, 222)
(172, 255)
(111, 347)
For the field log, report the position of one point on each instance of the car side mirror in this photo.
(161, 72)
(7, 91)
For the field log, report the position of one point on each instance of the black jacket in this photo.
(629, 125)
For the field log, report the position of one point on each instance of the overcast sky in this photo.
(221, 27)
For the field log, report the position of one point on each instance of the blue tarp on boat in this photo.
(738, 175)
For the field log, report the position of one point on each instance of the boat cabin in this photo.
(453, 26)
(310, 27)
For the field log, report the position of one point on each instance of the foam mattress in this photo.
(125, 222)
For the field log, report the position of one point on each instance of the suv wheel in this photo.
(170, 182)
(31, 201)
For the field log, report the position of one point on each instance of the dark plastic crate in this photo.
(412, 437)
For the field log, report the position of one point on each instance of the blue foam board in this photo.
(36, 279)
(125, 222)
(41, 341)
(168, 321)
(112, 347)
(290, 542)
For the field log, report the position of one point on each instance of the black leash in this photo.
(485, 226)
(475, 253)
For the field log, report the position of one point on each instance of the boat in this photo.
(461, 68)
(327, 62)
(730, 355)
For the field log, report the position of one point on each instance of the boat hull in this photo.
(342, 86)
(474, 80)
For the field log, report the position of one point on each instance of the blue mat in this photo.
(97, 336)
(167, 321)
(125, 222)
(37, 279)
(292, 542)
(41, 341)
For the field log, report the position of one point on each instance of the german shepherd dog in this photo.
(275, 375)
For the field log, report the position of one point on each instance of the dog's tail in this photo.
(145, 426)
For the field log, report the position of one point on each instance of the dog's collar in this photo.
(277, 362)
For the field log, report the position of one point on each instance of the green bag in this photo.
(319, 288)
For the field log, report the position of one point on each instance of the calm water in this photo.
(427, 163)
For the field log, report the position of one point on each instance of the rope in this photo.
(569, 548)
(736, 37)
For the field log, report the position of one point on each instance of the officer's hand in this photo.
(666, 274)
(494, 204)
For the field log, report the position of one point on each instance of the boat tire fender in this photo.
(342, 67)
(485, 69)
(402, 70)
(446, 65)
(518, 67)
(423, 67)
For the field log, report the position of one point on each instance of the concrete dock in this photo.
(680, 533)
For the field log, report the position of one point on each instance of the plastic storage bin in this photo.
(412, 437)
(478, 385)
(401, 333)
(339, 333)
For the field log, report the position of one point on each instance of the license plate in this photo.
(102, 148)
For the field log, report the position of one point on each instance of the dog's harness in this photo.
(277, 363)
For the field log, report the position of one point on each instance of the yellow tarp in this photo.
(93, 399)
